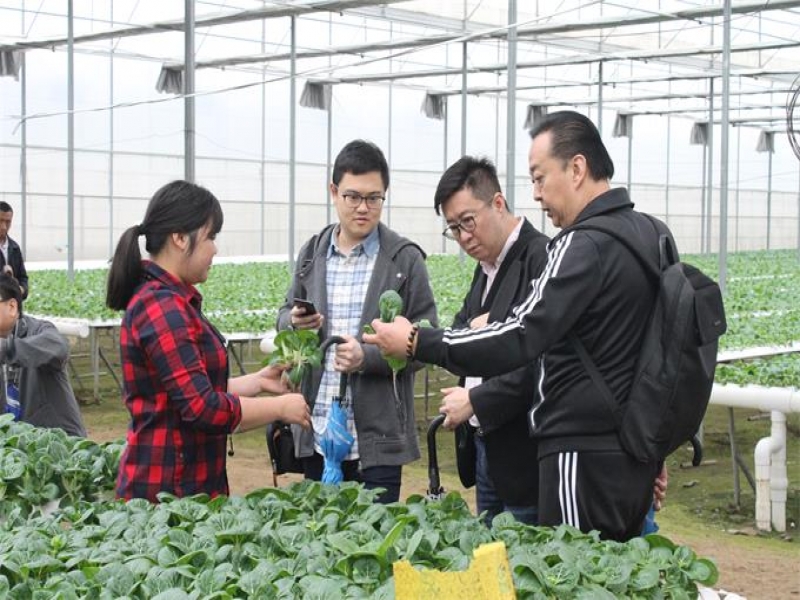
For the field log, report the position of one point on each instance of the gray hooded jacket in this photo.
(386, 431)
(36, 358)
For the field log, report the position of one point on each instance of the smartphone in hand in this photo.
(306, 304)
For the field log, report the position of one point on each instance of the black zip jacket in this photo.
(502, 403)
(591, 285)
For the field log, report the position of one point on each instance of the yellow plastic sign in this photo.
(487, 578)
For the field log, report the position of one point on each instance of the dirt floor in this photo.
(763, 574)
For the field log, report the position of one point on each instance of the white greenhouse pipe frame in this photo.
(771, 479)
(770, 454)
(70, 327)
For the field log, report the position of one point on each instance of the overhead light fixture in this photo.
(433, 106)
(534, 115)
(623, 125)
(699, 135)
(170, 80)
(316, 95)
(766, 142)
(10, 61)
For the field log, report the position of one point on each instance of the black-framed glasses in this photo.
(354, 200)
(466, 223)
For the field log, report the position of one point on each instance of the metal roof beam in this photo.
(492, 33)
(267, 12)
(655, 97)
(564, 61)
(644, 18)
(679, 111)
(754, 73)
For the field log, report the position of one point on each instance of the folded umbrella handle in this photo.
(336, 339)
(433, 461)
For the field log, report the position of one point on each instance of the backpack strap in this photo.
(597, 378)
(666, 248)
(667, 256)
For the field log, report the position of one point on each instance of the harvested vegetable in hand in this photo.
(299, 350)
(390, 305)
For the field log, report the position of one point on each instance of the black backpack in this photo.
(674, 373)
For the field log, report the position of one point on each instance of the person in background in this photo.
(33, 367)
(343, 270)
(489, 415)
(593, 292)
(11, 261)
(182, 403)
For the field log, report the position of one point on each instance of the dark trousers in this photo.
(387, 477)
(607, 491)
(486, 497)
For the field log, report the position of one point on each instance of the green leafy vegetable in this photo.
(310, 540)
(299, 350)
(390, 305)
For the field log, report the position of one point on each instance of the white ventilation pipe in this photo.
(771, 478)
(785, 400)
(770, 453)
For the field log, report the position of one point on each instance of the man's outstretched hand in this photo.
(390, 338)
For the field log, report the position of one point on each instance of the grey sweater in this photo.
(386, 431)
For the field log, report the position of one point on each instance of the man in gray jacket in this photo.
(33, 361)
(343, 270)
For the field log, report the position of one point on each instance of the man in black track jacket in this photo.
(592, 287)
(493, 441)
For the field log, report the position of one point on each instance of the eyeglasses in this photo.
(354, 200)
(466, 223)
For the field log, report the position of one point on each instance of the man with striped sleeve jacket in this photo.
(593, 288)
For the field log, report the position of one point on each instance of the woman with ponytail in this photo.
(182, 403)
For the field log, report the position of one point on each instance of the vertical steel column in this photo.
(710, 165)
(262, 165)
(600, 98)
(769, 195)
(23, 150)
(70, 144)
(444, 168)
(292, 132)
(703, 201)
(511, 107)
(328, 162)
(667, 174)
(497, 114)
(461, 253)
(463, 98)
(389, 142)
(111, 138)
(329, 155)
(188, 91)
(630, 153)
(723, 143)
(738, 184)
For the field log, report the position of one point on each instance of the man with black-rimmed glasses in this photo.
(343, 270)
(494, 447)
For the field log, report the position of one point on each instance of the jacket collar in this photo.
(613, 199)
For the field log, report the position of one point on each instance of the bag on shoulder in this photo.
(674, 373)
(280, 444)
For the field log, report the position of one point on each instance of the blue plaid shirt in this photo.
(347, 281)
